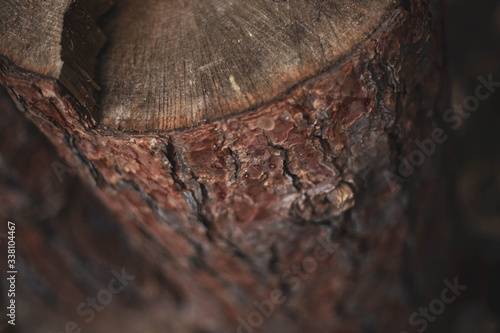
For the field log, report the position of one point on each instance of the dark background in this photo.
(473, 161)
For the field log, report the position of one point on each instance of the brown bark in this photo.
(215, 217)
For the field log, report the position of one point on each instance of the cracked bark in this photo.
(215, 217)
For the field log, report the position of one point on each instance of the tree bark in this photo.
(299, 200)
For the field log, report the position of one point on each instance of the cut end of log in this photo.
(179, 64)
(54, 39)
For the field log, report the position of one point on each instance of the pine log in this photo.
(218, 144)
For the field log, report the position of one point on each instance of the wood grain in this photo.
(55, 39)
(178, 64)
(30, 34)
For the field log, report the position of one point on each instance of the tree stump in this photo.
(242, 159)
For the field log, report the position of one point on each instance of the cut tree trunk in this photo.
(242, 159)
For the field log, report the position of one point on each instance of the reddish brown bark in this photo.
(217, 217)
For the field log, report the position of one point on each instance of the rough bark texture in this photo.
(214, 218)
